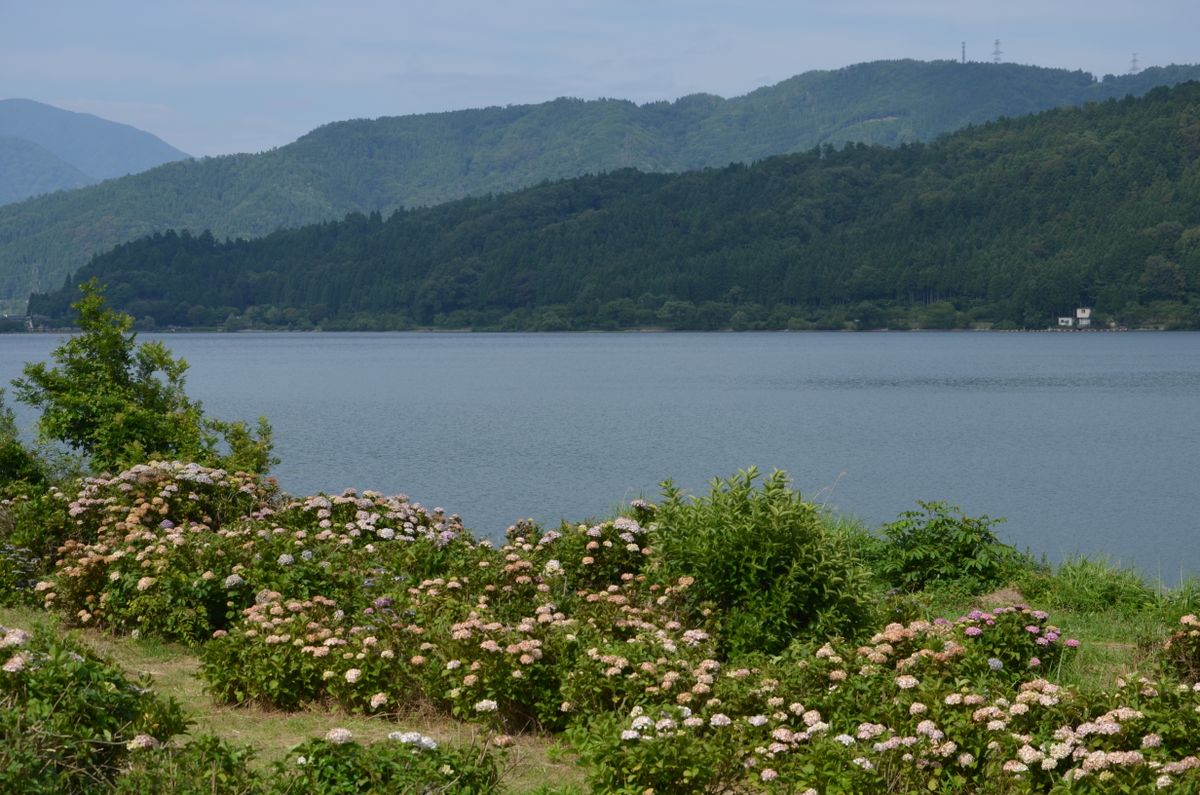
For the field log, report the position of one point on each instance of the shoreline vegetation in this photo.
(21, 329)
(171, 621)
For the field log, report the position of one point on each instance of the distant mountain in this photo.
(361, 166)
(100, 148)
(27, 169)
(1013, 223)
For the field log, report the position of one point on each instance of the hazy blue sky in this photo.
(219, 76)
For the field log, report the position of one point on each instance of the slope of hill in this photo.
(100, 148)
(27, 169)
(420, 160)
(1013, 222)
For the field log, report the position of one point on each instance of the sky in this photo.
(221, 76)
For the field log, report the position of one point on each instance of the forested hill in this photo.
(422, 160)
(1012, 223)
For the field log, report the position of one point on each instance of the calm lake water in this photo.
(1086, 443)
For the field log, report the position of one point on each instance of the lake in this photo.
(1085, 442)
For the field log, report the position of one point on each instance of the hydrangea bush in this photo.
(615, 631)
(68, 720)
(909, 711)
(178, 550)
(1180, 653)
(405, 762)
(494, 640)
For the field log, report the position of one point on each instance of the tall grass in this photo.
(1085, 584)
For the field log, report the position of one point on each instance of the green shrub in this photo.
(944, 706)
(205, 766)
(940, 546)
(18, 573)
(619, 761)
(36, 520)
(1179, 655)
(33, 525)
(762, 558)
(508, 637)
(17, 463)
(252, 663)
(68, 721)
(406, 762)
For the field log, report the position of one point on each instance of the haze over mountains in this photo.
(363, 166)
(45, 149)
(28, 169)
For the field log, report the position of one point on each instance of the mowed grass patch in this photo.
(533, 760)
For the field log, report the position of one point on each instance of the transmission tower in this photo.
(1133, 64)
(964, 52)
(996, 53)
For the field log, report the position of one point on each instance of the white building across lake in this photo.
(1082, 319)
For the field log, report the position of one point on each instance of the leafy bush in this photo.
(146, 546)
(406, 762)
(940, 546)
(17, 463)
(625, 760)
(122, 403)
(579, 628)
(68, 720)
(18, 573)
(36, 520)
(1180, 653)
(204, 766)
(763, 560)
(33, 524)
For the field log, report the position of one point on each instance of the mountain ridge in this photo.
(405, 161)
(1010, 223)
(29, 169)
(101, 148)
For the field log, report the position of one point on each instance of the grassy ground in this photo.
(534, 760)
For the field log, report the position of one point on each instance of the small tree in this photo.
(120, 402)
(939, 545)
(764, 559)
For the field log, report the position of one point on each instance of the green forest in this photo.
(1006, 225)
(414, 161)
